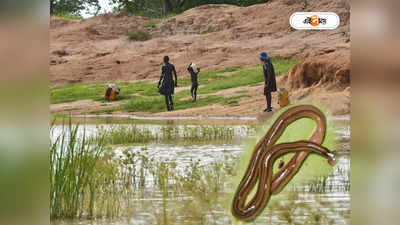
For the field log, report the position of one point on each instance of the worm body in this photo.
(266, 152)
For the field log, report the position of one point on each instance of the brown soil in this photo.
(88, 50)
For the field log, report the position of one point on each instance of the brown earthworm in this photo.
(266, 152)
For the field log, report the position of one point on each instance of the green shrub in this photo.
(152, 23)
(138, 35)
(66, 15)
(209, 30)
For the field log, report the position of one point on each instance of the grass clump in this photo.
(133, 134)
(58, 116)
(66, 15)
(229, 69)
(152, 23)
(138, 35)
(157, 104)
(144, 104)
(72, 177)
(209, 30)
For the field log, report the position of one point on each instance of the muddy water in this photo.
(330, 201)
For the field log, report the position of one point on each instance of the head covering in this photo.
(166, 59)
(194, 67)
(264, 56)
(114, 87)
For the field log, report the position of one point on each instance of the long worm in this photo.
(266, 152)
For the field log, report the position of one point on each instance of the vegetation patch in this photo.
(131, 134)
(138, 35)
(152, 23)
(229, 69)
(209, 30)
(69, 16)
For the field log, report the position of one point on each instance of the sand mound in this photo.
(331, 71)
(321, 77)
(102, 27)
(203, 19)
(57, 23)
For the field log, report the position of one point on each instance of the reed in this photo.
(72, 165)
(337, 181)
(131, 134)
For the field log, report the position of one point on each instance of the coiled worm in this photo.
(265, 153)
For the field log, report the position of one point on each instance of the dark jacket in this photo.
(269, 77)
(167, 83)
(193, 75)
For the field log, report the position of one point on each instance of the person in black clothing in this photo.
(194, 71)
(269, 79)
(167, 84)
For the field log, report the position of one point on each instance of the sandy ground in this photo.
(87, 51)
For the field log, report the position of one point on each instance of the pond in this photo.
(177, 171)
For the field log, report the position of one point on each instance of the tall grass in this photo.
(72, 164)
(133, 134)
(338, 181)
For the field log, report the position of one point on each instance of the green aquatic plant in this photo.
(133, 134)
(72, 164)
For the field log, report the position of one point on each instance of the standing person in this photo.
(269, 79)
(167, 84)
(194, 71)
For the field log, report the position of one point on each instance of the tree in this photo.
(72, 7)
(167, 6)
(150, 8)
(160, 8)
(175, 6)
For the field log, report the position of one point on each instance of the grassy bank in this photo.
(144, 96)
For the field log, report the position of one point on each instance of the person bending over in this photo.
(167, 84)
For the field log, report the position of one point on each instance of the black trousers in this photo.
(268, 97)
(193, 91)
(168, 101)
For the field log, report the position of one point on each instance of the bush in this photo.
(138, 35)
(209, 30)
(66, 15)
(152, 24)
